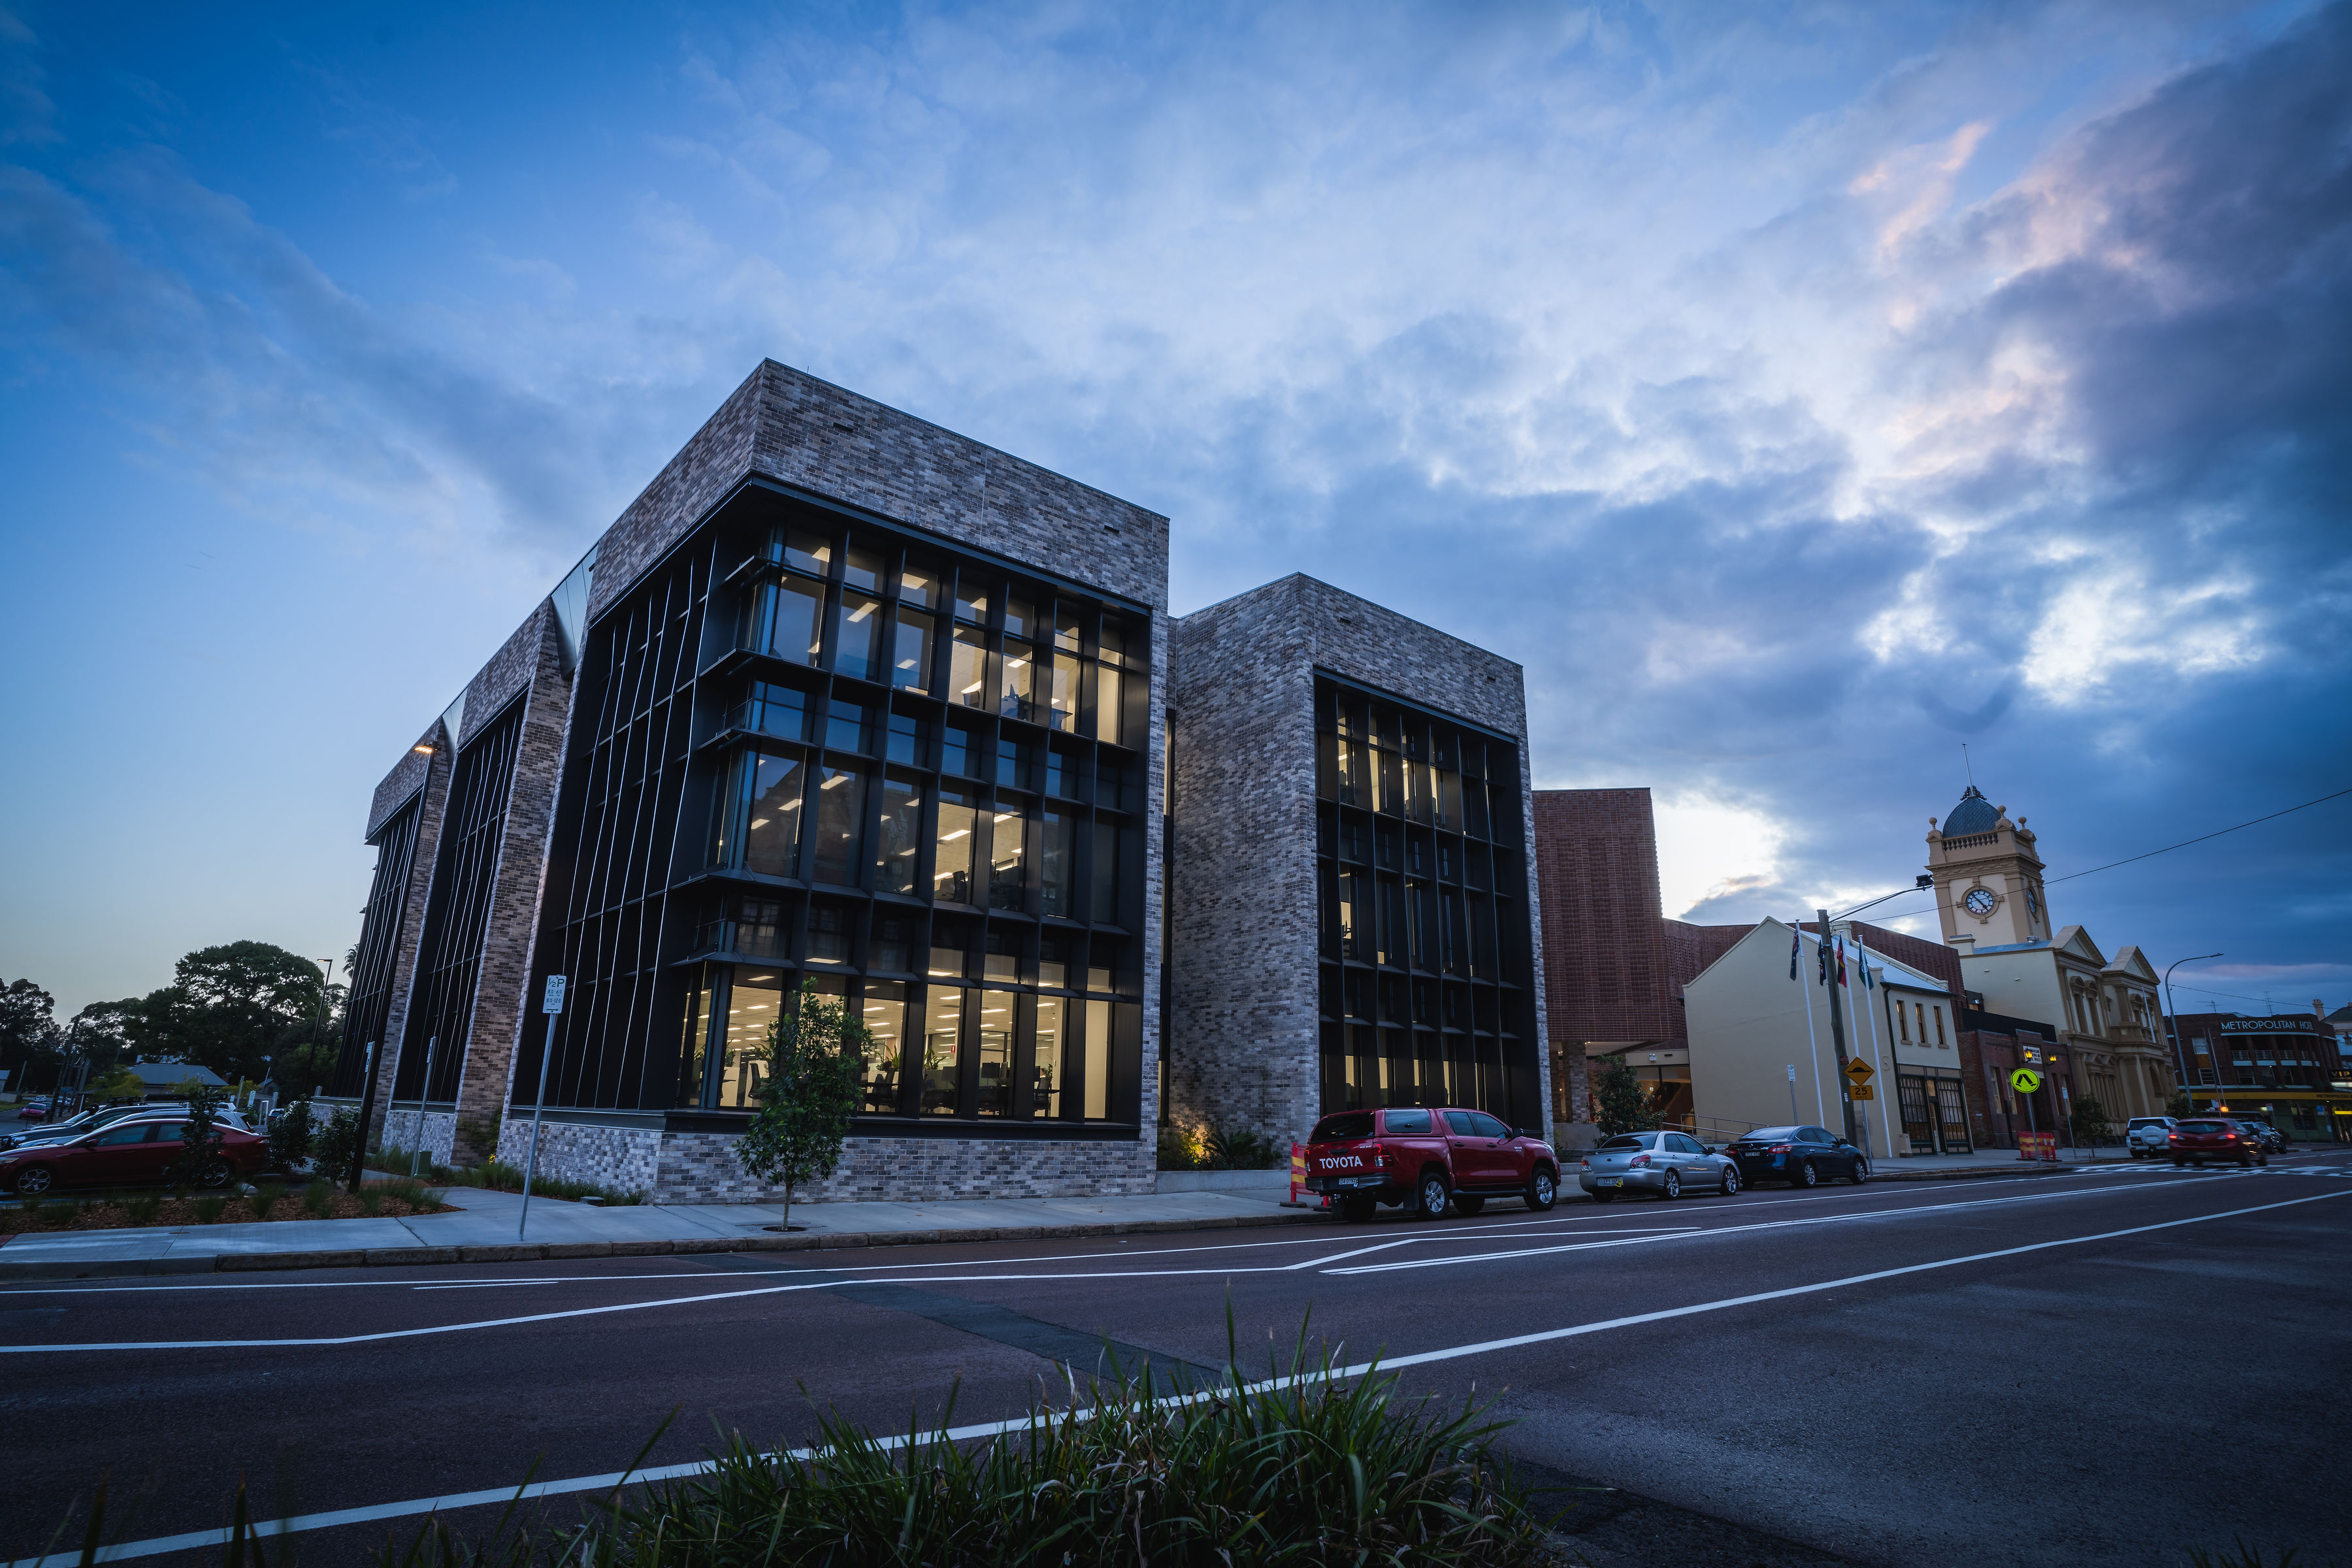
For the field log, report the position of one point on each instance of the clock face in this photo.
(2032, 903)
(1980, 901)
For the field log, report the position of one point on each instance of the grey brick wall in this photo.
(1242, 917)
(436, 779)
(701, 1167)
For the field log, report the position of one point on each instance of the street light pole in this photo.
(552, 1006)
(1837, 1031)
(2172, 1022)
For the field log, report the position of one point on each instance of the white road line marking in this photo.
(214, 1539)
(1319, 1262)
(484, 1284)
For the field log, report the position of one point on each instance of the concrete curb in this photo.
(536, 1252)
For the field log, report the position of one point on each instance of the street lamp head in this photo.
(424, 746)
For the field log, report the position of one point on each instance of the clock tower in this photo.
(1988, 877)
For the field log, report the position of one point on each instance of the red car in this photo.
(134, 1153)
(2207, 1138)
(1426, 1159)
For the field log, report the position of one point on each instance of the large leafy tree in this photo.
(28, 1028)
(230, 1008)
(102, 1033)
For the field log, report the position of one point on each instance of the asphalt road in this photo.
(2092, 1368)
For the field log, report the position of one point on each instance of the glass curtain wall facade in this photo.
(457, 913)
(1422, 877)
(817, 748)
(368, 1003)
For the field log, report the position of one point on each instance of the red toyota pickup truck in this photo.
(1426, 1159)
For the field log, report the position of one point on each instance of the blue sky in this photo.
(1797, 392)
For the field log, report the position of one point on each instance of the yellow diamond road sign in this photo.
(1859, 1071)
(2025, 1080)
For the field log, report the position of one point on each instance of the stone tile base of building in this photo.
(701, 1167)
(439, 1134)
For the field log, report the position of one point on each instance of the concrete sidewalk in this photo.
(484, 1230)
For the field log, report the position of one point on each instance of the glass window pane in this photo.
(1061, 699)
(1065, 631)
(900, 837)
(994, 1039)
(919, 584)
(1020, 618)
(910, 741)
(849, 727)
(798, 609)
(1097, 1061)
(1057, 853)
(951, 943)
(775, 711)
(910, 654)
(972, 601)
(840, 803)
(859, 649)
(1018, 687)
(891, 946)
(956, 753)
(951, 867)
(1061, 775)
(1045, 1077)
(771, 836)
(1014, 761)
(809, 550)
(828, 941)
(863, 568)
(968, 669)
(754, 1005)
(1104, 906)
(886, 1021)
(1114, 639)
(1006, 881)
(696, 1054)
(1052, 961)
(1109, 703)
(942, 1029)
(1002, 959)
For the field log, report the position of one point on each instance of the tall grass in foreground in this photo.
(1306, 1468)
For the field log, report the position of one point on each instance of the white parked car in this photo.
(2147, 1136)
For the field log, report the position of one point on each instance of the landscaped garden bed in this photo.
(139, 1211)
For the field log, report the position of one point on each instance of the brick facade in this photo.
(1243, 1015)
(435, 771)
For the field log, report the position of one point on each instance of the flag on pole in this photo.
(1822, 960)
(1796, 944)
(1841, 953)
(1862, 958)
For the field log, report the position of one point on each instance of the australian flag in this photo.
(1796, 944)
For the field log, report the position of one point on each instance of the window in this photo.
(1061, 775)
(997, 1011)
(857, 650)
(919, 584)
(1066, 631)
(971, 602)
(840, 801)
(809, 550)
(892, 948)
(900, 836)
(1103, 906)
(1052, 961)
(910, 741)
(1045, 1074)
(1014, 764)
(1057, 853)
(1940, 1026)
(910, 652)
(1098, 1094)
(762, 831)
(1018, 688)
(1006, 885)
(774, 710)
(1109, 703)
(957, 751)
(968, 669)
(951, 949)
(755, 1003)
(792, 613)
(942, 1055)
(886, 1022)
(828, 934)
(849, 727)
(1002, 959)
(862, 568)
(952, 865)
(1062, 696)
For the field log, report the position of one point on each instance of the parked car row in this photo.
(130, 1146)
(1430, 1160)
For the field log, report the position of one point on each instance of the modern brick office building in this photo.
(841, 696)
(847, 700)
(1352, 912)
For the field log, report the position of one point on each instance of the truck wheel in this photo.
(1542, 1191)
(1430, 1198)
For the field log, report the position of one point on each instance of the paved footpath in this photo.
(488, 1227)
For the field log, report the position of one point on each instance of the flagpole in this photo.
(1814, 1045)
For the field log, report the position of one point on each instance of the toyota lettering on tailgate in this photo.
(1333, 1162)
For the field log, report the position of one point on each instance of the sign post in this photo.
(1858, 1076)
(552, 1006)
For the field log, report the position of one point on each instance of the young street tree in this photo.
(815, 1059)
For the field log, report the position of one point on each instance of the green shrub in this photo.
(208, 1209)
(143, 1210)
(266, 1196)
(1179, 1150)
(319, 1198)
(54, 1214)
(290, 1136)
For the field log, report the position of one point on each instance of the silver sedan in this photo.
(1667, 1164)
